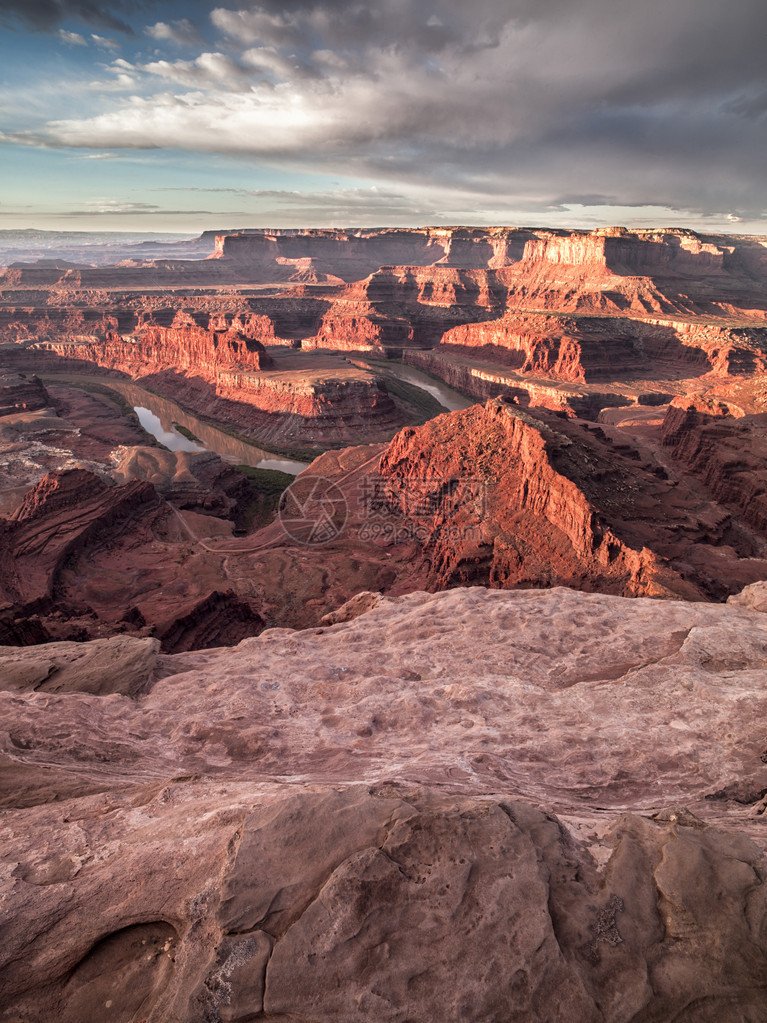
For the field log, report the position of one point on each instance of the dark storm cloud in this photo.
(48, 15)
(518, 101)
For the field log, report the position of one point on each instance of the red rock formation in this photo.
(490, 378)
(21, 393)
(220, 619)
(404, 306)
(58, 517)
(183, 348)
(592, 348)
(646, 272)
(297, 405)
(348, 255)
(413, 286)
(32, 322)
(71, 519)
(277, 318)
(500, 498)
(629, 252)
(726, 450)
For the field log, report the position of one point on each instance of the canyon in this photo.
(578, 466)
(461, 721)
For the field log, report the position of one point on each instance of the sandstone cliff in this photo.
(393, 289)
(498, 497)
(725, 451)
(183, 348)
(405, 306)
(592, 348)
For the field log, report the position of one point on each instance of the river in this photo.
(157, 416)
(450, 400)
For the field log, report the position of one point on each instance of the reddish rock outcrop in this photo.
(490, 378)
(220, 619)
(20, 392)
(64, 565)
(593, 348)
(647, 272)
(183, 348)
(349, 255)
(500, 498)
(726, 450)
(294, 402)
(58, 517)
(404, 306)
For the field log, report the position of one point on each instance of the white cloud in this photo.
(211, 70)
(104, 43)
(118, 206)
(120, 83)
(71, 38)
(534, 103)
(181, 32)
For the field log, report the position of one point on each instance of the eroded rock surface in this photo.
(475, 805)
(497, 496)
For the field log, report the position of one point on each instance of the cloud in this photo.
(342, 204)
(47, 15)
(117, 206)
(120, 83)
(530, 104)
(104, 43)
(71, 38)
(181, 32)
(209, 70)
(125, 208)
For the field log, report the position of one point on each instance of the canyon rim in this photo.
(383, 511)
(458, 714)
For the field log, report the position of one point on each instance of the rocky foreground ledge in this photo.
(468, 806)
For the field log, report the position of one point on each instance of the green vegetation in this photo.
(187, 433)
(266, 486)
(424, 405)
(268, 480)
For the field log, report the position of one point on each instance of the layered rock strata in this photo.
(404, 307)
(592, 348)
(407, 287)
(280, 401)
(725, 450)
(485, 496)
(185, 349)
(21, 393)
(499, 497)
(71, 570)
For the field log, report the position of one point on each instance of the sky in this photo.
(159, 115)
